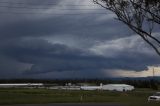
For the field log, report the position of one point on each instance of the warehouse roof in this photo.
(118, 84)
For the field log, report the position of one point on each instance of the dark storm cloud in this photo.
(62, 26)
(28, 45)
(46, 57)
(88, 26)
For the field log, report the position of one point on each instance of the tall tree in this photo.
(141, 16)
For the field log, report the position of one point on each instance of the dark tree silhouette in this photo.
(141, 16)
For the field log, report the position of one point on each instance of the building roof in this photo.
(22, 84)
(118, 85)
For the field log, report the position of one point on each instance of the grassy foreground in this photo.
(38, 96)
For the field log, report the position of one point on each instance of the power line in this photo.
(54, 13)
(53, 10)
(37, 6)
(25, 7)
(46, 4)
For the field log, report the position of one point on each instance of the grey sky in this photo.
(66, 38)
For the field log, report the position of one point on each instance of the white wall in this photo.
(91, 87)
(117, 87)
(21, 85)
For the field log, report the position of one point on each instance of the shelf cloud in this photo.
(54, 39)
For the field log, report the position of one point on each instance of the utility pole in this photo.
(153, 72)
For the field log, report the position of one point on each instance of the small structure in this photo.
(118, 87)
(22, 85)
(90, 87)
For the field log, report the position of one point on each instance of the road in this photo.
(70, 104)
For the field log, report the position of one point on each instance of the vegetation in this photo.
(34, 96)
(141, 16)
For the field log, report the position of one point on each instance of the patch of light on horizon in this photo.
(144, 73)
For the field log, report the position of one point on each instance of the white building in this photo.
(117, 87)
(110, 87)
(21, 85)
(90, 87)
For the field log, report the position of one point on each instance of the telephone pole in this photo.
(153, 72)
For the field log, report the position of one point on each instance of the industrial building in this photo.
(118, 87)
(90, 87)
(110, 87)
(22, 85)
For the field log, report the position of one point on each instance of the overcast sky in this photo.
(68, 39)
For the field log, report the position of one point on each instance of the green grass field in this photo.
(38, 96)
